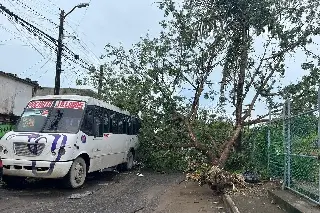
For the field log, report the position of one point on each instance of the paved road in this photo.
(103, 192)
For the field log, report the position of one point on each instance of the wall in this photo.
(14, 95)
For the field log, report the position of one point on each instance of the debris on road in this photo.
(80, 195)
(140, 175)
(251, 177)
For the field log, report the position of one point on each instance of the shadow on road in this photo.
(44, 188)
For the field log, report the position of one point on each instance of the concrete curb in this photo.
(283, 203)
(292, 202)
(228, 202)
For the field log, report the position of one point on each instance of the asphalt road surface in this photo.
(102, 192)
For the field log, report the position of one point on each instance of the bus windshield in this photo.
(58, 116)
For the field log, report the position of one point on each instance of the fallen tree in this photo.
(207, 50)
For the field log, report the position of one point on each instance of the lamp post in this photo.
(63, 15)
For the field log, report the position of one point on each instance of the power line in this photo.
(35, 12)
(32, 66)
(46, 7)
(44, 37)
(25, 23)
(27, 16)
(53, 4)
(40, 67)
(36, 31)
(84, 45)
(9, 39)
(27, 38)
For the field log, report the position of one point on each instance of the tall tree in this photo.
(202, 41)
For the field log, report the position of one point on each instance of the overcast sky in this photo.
(104, 21)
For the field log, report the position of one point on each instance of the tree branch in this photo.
(247, 88)
(261, 118)
(256, 121)
(282, 52)
(194, 141)
(248, 113)
(227, 147)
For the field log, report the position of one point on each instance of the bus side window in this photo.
(130, 126)
(114, 122)
(120, 123)
(125, 124)
(107, 122)
(98, 122)
(134, 126)
(87, 122)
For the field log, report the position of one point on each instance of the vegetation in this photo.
(227, 54)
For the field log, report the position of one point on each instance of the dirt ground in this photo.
(114, 193)
(189, 197)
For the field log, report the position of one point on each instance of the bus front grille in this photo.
(28, 149)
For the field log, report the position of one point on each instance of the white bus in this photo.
(68, 136)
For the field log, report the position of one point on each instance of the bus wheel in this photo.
(77, 174)
(129, 164)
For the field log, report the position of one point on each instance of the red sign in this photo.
(70, 104)
(39, 104)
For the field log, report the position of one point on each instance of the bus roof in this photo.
(89, 100)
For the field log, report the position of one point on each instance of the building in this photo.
(15, 93)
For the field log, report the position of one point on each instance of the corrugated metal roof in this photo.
(15, 77)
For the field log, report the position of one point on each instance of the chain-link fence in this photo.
(275, 146)
(293, 151)
(302, 169)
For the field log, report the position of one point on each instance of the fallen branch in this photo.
(218, 179)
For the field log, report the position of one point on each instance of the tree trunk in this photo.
(227, 149)
(238, 143)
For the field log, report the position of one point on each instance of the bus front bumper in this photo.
(38, 169)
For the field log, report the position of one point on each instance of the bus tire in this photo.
(128, 165)
(77, 174)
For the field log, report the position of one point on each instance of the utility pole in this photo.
(60, 46)
(59, 54)
(100, 81)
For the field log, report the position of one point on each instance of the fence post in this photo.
(318, 107)
(269, 140)
(289, 143)
(284, 145)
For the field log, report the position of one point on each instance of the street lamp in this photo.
(78, 6)
(60, 45)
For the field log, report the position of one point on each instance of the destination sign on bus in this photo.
(70, 104)
(39, 104)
